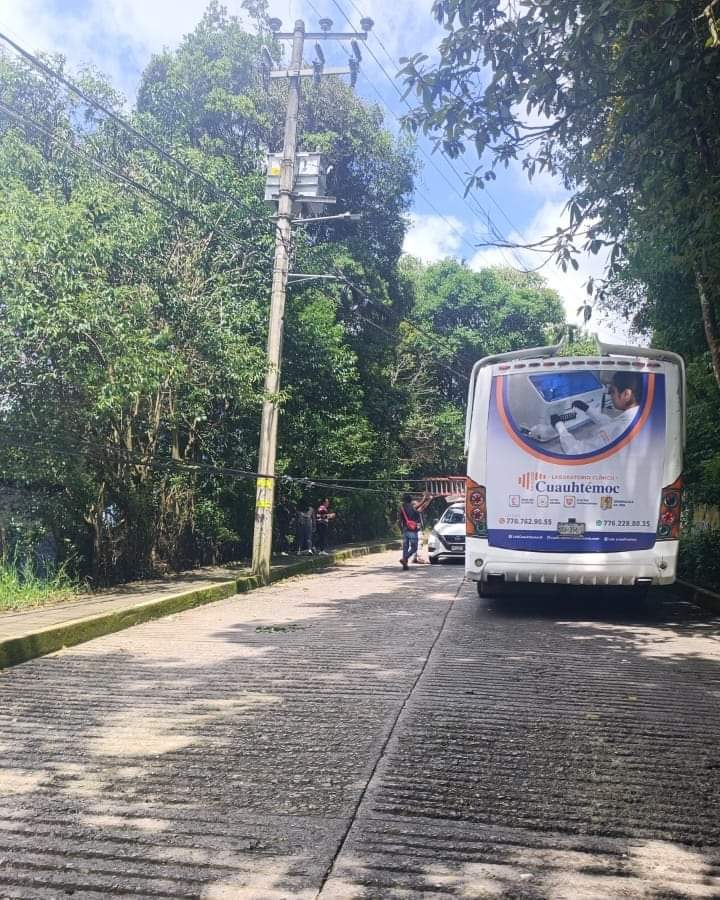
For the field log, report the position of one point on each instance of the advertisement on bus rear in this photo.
(575, 460)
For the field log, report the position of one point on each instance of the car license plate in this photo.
(456, 547)
(571, 529)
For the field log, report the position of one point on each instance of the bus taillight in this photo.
(475, 510)
(668, 528)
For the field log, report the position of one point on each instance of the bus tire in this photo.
(640, 598)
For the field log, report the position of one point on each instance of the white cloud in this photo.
(117, 37)
(488, 257)
(432, 237)
(542, 184)
(571, 284)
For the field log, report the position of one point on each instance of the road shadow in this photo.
(217, 753)
(222, 752)
(559, 746)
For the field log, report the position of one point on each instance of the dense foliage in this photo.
(132, 322)
(458, 317)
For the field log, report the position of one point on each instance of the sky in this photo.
(120, 36)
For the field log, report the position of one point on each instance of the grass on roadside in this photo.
(21, 586)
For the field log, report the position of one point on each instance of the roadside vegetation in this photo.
(21, 585)
(700, 557)
(133, 313)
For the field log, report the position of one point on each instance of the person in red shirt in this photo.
(410, 519)
(323, 519)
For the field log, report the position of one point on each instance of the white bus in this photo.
(574, 468)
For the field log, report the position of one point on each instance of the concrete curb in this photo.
(77, 631)
(702, 596)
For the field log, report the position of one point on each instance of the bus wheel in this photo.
(494, 590)
(639, 598)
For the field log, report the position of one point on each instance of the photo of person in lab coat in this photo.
(626, 394)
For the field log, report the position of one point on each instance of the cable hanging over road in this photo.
(90, 450)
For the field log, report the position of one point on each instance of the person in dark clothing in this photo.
(306, 526)
(410, 523)
(282, 527)
(324, 517)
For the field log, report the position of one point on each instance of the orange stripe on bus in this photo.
(569, 460)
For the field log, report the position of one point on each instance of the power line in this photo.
(119, 120)
(394, 62)
(92, 450)
(494, 228)
(220, 192)
(15, 114)
(135, 132)
(225, 471)
(143, 190)
(465, 198)
(399, 480)
(137, 186)
(423, 196)
(146, 192)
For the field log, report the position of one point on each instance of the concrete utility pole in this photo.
(262, 537)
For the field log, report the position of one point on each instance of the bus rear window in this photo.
(564, 385)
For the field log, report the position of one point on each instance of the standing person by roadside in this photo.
(324, 518)
(306, 526)
(282, 527)
(410, 521)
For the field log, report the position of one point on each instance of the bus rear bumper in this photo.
(655, 566)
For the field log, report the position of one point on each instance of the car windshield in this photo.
(453, 517)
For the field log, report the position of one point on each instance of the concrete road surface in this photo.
(369, 733)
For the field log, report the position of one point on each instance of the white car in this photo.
(448, 536)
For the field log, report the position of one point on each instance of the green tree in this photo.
(133, 332)
(460, 316)
(618, 99)
(650, 290)
(122, 341)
